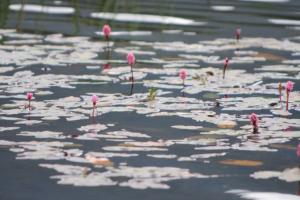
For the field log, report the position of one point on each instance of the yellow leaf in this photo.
(244, 163)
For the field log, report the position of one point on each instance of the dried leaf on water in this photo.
(243, 163)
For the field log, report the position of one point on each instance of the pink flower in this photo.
(298, 150)
(106, 31)
(29, 96)
(130, 58)
(289, 86)
(94, 99)
(254, 120)
(182, 74)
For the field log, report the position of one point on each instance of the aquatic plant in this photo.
(183, 75)
(131, 59)
(106, 66)
(106, 32)
(131, 62)
(152, 94)
(254, 122)
(288, 87)
(94, 101)
(29, 96)
(298, 150)
(202, 78)
(238, 34)
(226, 61)
(244, 91)
(280, 91)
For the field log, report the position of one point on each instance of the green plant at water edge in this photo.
(152, 92)
(76, 17)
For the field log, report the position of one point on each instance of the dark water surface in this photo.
(178, 146)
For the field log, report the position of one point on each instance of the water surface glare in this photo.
(161, 135)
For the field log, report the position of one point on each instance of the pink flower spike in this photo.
(254, 121)
(29, 96)
(131, 62)
(130, 58)
(106, 31)
(238, 33)
(298, 150)
(94, 99)
(183, 74)
(289, 86)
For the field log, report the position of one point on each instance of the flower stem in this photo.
(255, 129)
(132, 80)
(287, 100)
(107, 42)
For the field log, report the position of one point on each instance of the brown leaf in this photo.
(105, 162)
(270, 57)
(244, 163)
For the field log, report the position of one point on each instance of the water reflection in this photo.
(4, 12)
(107, 65)
(76, 17)
(129, 15)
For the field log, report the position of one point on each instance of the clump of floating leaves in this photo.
(121, 152)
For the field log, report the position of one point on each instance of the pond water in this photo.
(153, 136)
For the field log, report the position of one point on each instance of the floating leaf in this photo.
(105, 162)
(227, 124)
(270, 56)
(244, 163)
